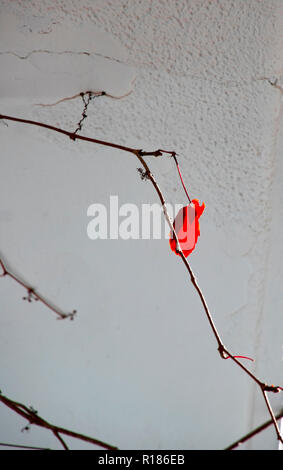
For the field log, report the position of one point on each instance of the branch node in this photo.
(31, 295)
(222, 351)
(156, 153)
(144, 174)
(271, 388)
(63, 316)
(5, 272)
(33, 411)
(25, 428)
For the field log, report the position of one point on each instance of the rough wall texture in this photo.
(206, 80)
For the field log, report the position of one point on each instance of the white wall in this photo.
(139, 366)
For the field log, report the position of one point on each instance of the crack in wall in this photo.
(226, 82)
(45, 51)
(274, 83)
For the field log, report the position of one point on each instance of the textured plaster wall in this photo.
(139, 366)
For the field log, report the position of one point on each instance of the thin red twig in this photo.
(181, 178)
(241, 357)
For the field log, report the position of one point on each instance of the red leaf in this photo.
(186, 225)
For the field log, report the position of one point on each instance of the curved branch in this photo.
(223, 351)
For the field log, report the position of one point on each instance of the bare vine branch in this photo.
(74, 136)
(18, 446)
(61, 440)
(223, 351)
(254, 432)
(86, 101)
(33, 295)
(146, 174)
(33, 418)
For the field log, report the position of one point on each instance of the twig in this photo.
(71, 135)
(74, 136)
(86, 101)
(223, 351)
(254, 432)
(61, 440)
(33, 295)
(181, 178)
(33, 418)
(18, 446)
(279, 437)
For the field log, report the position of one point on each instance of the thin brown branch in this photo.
(146, 174)
(71, 135)
(33, 418)
(61, 440)
(33, 295)
(74, 136)
(254, 432)
(279, 437)
(18, 446)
